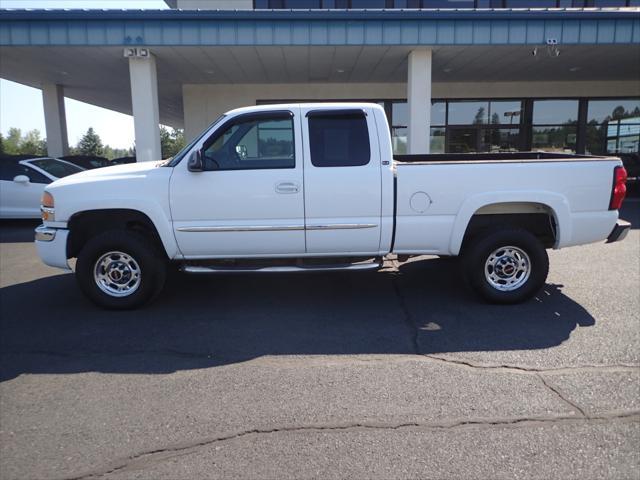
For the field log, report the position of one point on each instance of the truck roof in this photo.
(312, 105)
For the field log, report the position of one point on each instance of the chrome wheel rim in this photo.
(117, 274)
(507, 268)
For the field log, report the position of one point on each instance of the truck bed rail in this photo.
(495, 157)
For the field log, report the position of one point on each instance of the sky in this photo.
(21, 106)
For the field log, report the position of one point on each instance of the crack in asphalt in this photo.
(145, 458)
(407, 317)
(620, 367)
(573, 405)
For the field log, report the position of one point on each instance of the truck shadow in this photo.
(47, 326)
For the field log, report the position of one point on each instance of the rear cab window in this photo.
(339, 138)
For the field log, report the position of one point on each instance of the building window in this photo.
(468, 113)
(554, 126)
(374, 4)
(613, 126)
(400, 120)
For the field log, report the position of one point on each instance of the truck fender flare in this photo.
(558, 204)
(152, 210)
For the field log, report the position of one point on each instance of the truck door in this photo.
(248, 201)
(342, 180)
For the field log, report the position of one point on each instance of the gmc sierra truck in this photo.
(315, 187)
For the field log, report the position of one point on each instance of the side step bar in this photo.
(280, 269)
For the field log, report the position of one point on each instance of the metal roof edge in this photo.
(403, 14)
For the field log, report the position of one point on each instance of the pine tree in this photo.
(171, 141)
(90, 144)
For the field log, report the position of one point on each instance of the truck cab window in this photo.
(340, 140)
(252, 144)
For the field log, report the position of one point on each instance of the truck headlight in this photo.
(47, 210)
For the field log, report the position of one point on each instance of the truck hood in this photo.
(119, 172)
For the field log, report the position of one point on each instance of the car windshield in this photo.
(55, 167)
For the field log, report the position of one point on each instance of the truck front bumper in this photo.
(51, 244)
(619, 231)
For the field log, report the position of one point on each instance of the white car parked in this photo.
(22, 183)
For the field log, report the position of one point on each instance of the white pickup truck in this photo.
(304, 187)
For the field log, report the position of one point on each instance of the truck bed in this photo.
(435, 201)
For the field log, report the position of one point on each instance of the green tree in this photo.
(171, 141)
(1, 143)
(90, 144)
(28, 144)
(12, 142)
(32, 144)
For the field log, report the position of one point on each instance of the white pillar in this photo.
(55, 120)
(419, 101)
(144, 100)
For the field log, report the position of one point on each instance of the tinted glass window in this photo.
(606, 110)
(531, 3)
(253, 143)
(561, 138)
(339, 140)
(555, 112)
(468, 113)
(437, 140)
(448, 4)
(613, 126)
(401, 114)
(407, 4)
(10, 170)
(438, 113)
(606, 3)
(368, 3)
(505, 112)
(302, 4)
(55, 167)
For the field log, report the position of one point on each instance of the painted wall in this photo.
(204, 103)
(215, 4)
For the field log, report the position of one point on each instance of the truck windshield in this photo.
(180, 155)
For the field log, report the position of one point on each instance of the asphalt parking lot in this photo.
(396, 374)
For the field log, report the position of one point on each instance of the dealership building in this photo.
(453, 76)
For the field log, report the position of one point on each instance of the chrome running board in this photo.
(280, 269)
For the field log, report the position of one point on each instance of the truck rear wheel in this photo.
(120, 270)
(506, 265)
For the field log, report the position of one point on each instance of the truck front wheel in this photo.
(120, 270)
(506, 265)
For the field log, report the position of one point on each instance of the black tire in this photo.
(486, 280)
(151, 267)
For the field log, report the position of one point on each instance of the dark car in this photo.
(123, 160)
(87, 161)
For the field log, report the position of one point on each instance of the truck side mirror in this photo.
(195, 161)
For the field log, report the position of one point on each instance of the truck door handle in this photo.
(287, 187)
